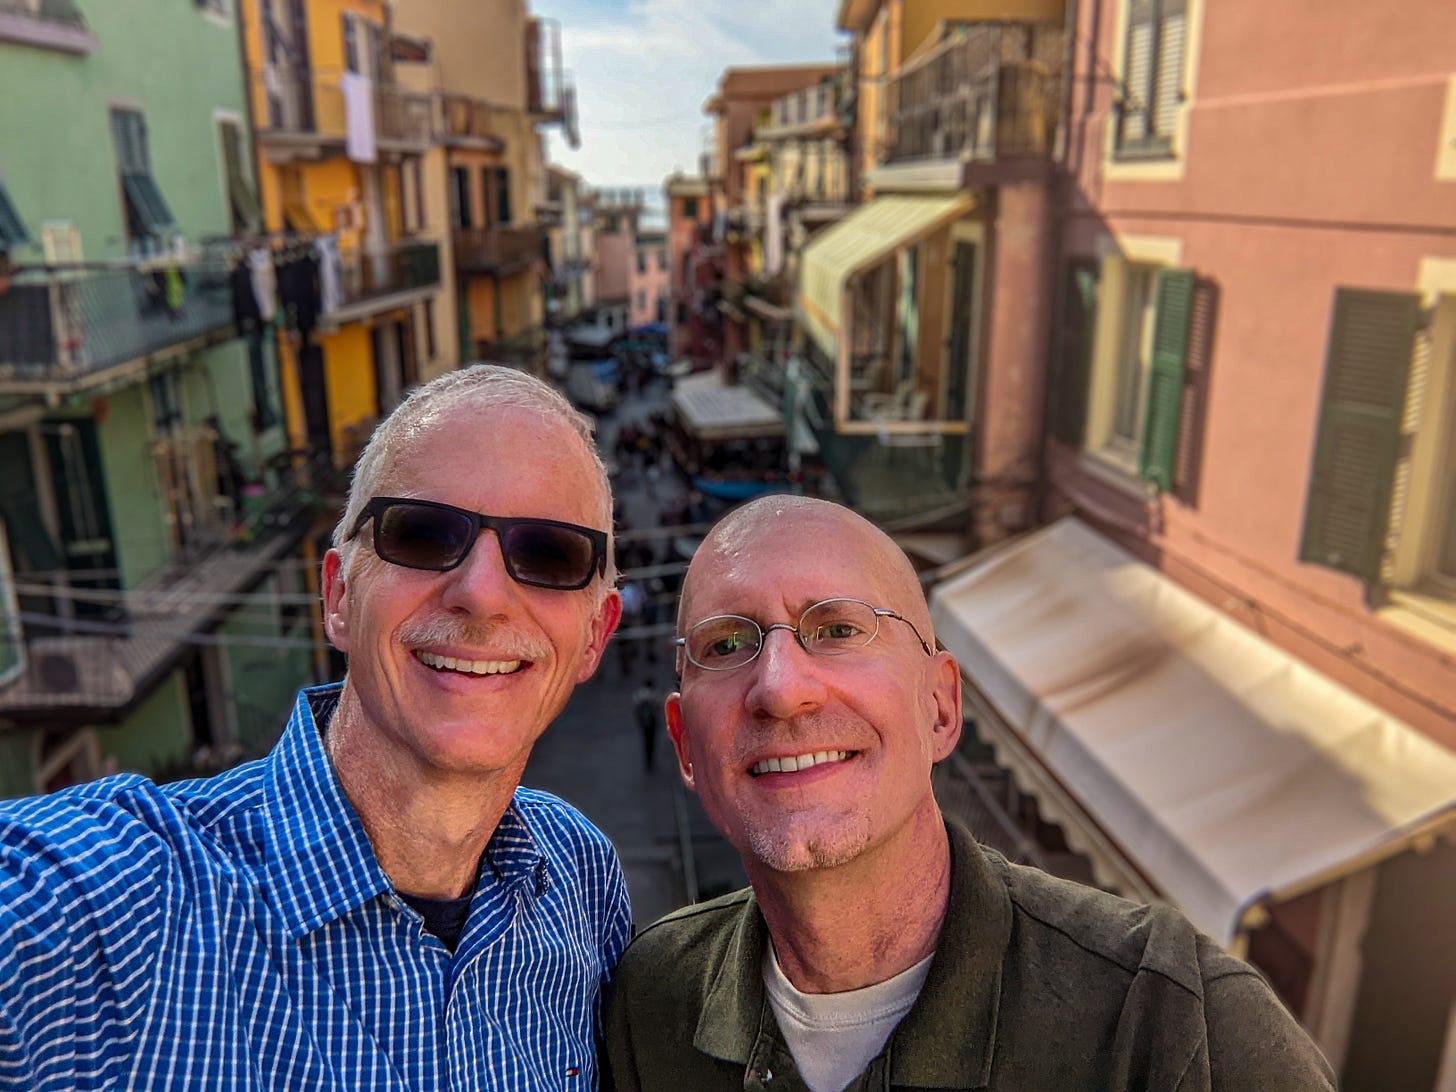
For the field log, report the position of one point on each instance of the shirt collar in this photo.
(320, 863)
(946, 1040)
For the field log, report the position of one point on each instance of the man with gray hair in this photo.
(376, 904)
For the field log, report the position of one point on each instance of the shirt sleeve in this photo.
(1253, 1041)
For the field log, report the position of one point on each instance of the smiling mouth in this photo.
(468, 667)
(794, 763)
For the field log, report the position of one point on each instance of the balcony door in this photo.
(287, 77)
(963, 336)
(87, 542)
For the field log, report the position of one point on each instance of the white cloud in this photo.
(644, 68)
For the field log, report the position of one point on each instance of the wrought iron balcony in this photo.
(466, 121)
(305, 106)
(989, 91)
(49, 24)
(369, 278)
(498, 250)
(802, 112)
(67, 326)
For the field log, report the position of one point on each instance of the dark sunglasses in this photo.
(543, 553)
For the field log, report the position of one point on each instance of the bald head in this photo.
(855, 557)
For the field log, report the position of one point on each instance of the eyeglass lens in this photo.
(825, 629)
(420, 536)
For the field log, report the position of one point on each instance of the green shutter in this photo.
(1372, 336)
(1074, 364)
(12, 228)
(1173, 303)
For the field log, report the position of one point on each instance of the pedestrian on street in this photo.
(634, 605)
(647, 705)
(376, 903)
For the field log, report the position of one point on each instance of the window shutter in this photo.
(1137, 79)
(244, 202)
(1372, 336)
(1074, 367)
(1168, 93)
(1173, 305)
(12, 228)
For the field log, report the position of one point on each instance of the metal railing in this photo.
(64, 12)
(298, 103)
(466, 118)
(989, 90)
(812, 106)
(62, 323)
(370, 274)
(498, 249)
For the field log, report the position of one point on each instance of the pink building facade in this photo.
(1253, 391)
(651, 280)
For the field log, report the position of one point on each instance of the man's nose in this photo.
(786, 678)
(481, 578)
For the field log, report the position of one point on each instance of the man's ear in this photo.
(603, 625)
(336, 601)
(677, 732)
(945, 729)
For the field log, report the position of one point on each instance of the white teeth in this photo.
(468, 667)
(794, 763)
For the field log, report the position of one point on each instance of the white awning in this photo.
(711, 410)
(866, 237)
(1224, 769)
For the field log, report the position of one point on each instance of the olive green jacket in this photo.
(1036, 983)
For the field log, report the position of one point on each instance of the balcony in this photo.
(990, 91)
(550, 96)
(46, 24)
(65, 328)
(305, 109)
(499, 251)
(467, 122)
(82, 671)
(376, 280)
(812, 111)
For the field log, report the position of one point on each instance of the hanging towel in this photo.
(330, 296)
(265, 282)
(358, 116)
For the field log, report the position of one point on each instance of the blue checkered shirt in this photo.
(238, 933)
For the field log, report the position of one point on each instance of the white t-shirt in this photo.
(833, 1036)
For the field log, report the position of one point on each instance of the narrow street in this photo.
(593, 755)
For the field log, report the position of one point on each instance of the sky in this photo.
(644, 68)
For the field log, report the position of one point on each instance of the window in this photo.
(1382, 490)
(662, 261)
(641, 300)
(690, 208)
(503, 196)
(243, 211)
(147, 214)
(1152, 85)
(1135, 396)
(641, 261)
(459, 197)
(431, 350)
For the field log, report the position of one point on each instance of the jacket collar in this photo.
(947, 1038)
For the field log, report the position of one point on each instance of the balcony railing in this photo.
(990, 90)
(52, 24)
(470, 121)
(810, 108)
(368, 275)
(498, 250)
(63, 324)
(309, 105)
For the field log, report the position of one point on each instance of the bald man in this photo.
(879, 946)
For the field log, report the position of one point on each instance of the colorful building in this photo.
(155, 612)
(1224, 670)
(341, 143)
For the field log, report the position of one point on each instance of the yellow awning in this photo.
(866, 237)
(1222, 768)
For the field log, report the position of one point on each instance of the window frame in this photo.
(1158, 106)
(147, 215)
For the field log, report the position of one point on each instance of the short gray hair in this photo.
(492, 387)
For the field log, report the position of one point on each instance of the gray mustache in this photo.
(500, 640)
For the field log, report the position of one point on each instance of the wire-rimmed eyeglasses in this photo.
(831, 627)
